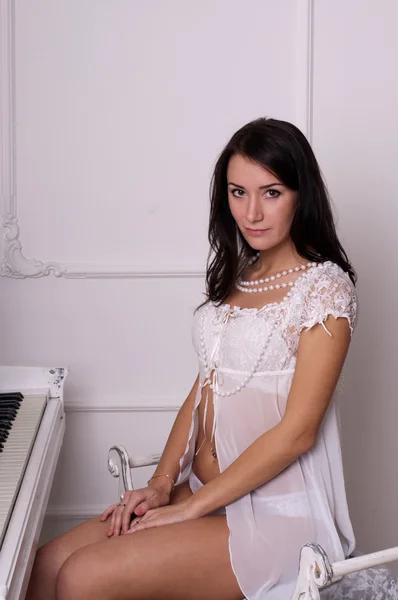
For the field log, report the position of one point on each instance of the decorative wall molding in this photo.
(14, 263)
(305, 67)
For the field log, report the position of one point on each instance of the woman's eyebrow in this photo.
(262, 187)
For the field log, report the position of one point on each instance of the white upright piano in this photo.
(32, 426)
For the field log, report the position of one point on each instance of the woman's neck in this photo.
(277, 259)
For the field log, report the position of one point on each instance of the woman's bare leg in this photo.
(50, 557)
(181, 561)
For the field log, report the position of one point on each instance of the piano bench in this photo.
(356, 578)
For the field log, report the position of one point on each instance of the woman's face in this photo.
(261, 205)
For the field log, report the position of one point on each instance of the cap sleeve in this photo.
(331, 292)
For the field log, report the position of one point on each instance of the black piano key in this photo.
(4, 408)
(10, 404)
(8, 413)
(11, 396)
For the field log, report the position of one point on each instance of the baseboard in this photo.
(59, 521)
(79, 407)
(74, 514)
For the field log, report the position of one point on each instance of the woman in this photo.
(252, 468)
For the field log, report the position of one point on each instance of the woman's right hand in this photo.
(137, 502)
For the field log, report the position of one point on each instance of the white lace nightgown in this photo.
(306, 502)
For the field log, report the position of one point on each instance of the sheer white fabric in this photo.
(307, 501)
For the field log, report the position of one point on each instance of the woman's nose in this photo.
(254, 211)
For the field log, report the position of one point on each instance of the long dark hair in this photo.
(281, 148)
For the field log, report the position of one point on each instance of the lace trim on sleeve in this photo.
(332, 293)
(322, 318)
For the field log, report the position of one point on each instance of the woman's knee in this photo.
(75, 578)
(85, 576)
(48, 560)
(45, 559)
(53, 554)
(91, 573)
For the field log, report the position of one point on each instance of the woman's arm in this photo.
(175, 445)
(158, 492)
(320, 360)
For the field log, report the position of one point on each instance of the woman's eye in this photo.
(238, 194)
(275, 193)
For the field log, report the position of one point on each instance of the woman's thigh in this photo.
(51, 556)
(94, 530)
(182, 561)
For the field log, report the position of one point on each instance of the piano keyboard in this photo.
(31, 435)
(15, 448)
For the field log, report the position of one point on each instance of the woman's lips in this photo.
(255, 232)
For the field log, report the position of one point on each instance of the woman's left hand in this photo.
(164, 515)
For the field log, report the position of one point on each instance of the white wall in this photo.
(356, 140)
(121, 109)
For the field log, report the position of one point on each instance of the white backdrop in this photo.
(356, 139)
(117, 112)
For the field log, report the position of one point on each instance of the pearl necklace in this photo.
(252, 371)
(248, 377)
(243, 383)
(245, 286)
